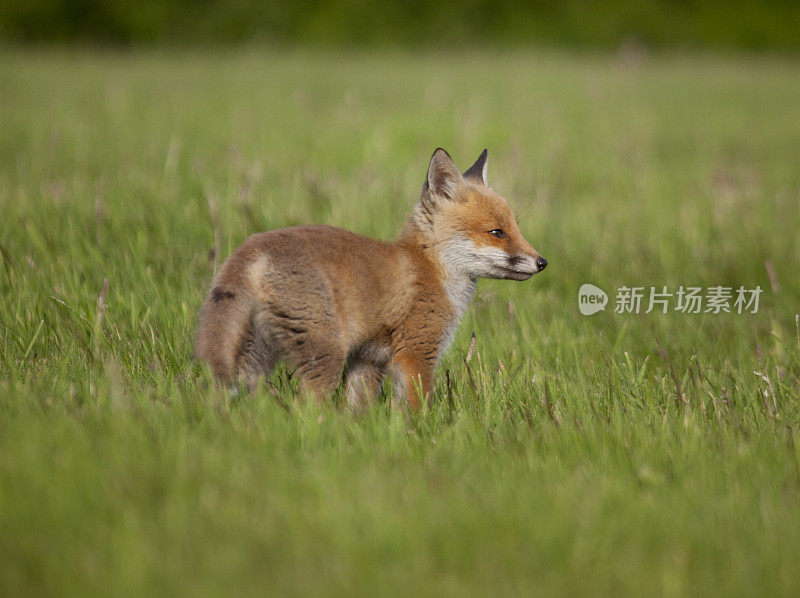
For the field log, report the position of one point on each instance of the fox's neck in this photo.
(458, 286)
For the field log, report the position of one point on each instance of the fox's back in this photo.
(318, 274)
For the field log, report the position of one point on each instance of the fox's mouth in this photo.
(510, 274)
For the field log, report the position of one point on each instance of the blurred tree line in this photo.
(747, 24)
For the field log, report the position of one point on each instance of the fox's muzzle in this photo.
(523, 267)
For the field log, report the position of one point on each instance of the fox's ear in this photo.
(443, 176)
(477, 172)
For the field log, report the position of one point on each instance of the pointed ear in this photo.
(477, 172)
(443, 176)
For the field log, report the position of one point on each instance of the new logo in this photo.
(591, 299)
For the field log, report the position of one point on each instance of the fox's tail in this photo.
(222, 328)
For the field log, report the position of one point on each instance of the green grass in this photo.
(604, 455)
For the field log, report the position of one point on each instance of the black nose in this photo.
(541, 263)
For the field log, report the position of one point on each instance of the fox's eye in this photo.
(498, 232)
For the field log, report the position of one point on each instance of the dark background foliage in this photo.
(744, 24)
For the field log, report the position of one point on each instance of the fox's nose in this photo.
(541, 263)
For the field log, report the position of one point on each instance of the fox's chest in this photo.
(459, 292)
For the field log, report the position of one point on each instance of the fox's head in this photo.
(470, 226)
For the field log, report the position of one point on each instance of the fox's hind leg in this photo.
(321, 374)
(309, 339)
(257, 356)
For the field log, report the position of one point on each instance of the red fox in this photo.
(334, 304)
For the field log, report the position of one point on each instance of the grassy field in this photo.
(616, 454)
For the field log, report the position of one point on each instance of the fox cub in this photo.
(331, 303)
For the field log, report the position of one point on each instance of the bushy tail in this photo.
(223, 325)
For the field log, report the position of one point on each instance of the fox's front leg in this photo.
(362, 382)
(414, 377)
